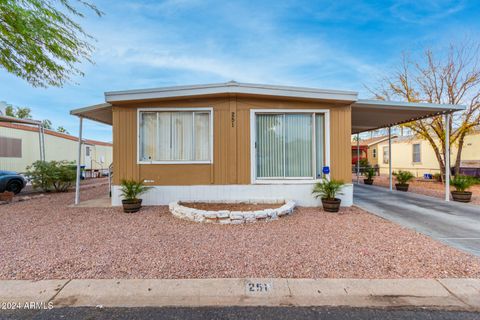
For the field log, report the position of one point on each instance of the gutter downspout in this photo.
(77, 182)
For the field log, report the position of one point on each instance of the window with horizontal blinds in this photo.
(179, 136)
(416, 155)
(289, 145)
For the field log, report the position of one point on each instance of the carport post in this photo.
(77, 183)
(358, 158)
(390, 158)
(447, 157)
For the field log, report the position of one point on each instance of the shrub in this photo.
(403, 177)
(327, 189)
(131, 189)
(52, 175)
(462, 183)
(369, 173)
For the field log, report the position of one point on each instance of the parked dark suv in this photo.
(11, 181)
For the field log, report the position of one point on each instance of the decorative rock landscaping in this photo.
(229, 217)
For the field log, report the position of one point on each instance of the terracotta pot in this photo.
(368, 181)
(462, 196)
(131, 206)
(331, 205)
(401, 187)
(6, 196)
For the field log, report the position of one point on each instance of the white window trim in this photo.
(419, 153)
(290, 180)
(210, 109)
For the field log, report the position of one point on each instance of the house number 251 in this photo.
(258, 287)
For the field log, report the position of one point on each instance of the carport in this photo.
(370, 115)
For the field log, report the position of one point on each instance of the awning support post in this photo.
(358, 158)
(77, 183)
(447, 157)
(390, 178)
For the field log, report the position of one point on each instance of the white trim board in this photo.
(253, 161)
(300, 193)
(192, 109)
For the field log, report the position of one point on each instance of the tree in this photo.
(453, 78)
(18, 112)
(41, 44)
(47, 124)
(62, 130)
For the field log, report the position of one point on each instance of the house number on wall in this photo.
(258, 287)
(233, 119)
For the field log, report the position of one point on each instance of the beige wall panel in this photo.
(231, 163)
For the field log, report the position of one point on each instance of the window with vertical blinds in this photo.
(289, 145)
(175, 136)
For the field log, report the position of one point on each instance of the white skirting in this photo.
(300, 193)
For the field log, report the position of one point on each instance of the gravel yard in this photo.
(44, 239)
(428, 188)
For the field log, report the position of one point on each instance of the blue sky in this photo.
(336, 45)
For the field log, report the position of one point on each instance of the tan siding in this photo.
(231, 163)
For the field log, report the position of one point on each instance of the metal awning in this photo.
(100, 112)
(369, 115)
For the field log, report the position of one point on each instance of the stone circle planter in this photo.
(230, 217)
(401, 187)
(462, 196)
(368, 181)
(331, 205)
(131, 206)
(6, 196)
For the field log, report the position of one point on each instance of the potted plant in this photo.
(327, 191)
(131, 189)
(369, 173)
(403, 177)
(462, 183)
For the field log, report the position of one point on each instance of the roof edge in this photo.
(406, 105)
(231, 87)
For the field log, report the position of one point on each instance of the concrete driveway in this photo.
(456, 224)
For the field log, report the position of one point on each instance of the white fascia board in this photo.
(79, 111)
(400, 105)
(231, 88)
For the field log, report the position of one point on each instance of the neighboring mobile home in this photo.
(240, 142)
(19, 148)
(417, 155)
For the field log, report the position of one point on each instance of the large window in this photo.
(416, 154)
(175, 136)
(289, 145)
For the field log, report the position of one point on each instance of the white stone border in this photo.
(229, 217)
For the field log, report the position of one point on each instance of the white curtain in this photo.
(182, 136)
(202, 136)
(164, 136)
(148, 136)
(270, 146)
(298, 145)
(284, 145)
(319, 143)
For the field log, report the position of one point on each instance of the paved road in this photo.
(233, 313)
(456, 224)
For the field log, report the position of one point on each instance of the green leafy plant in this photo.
(131, 189)
(364, 163)
(327, 189)
(369, 173)
(52, 175)
(403, 177)
(462, 183)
